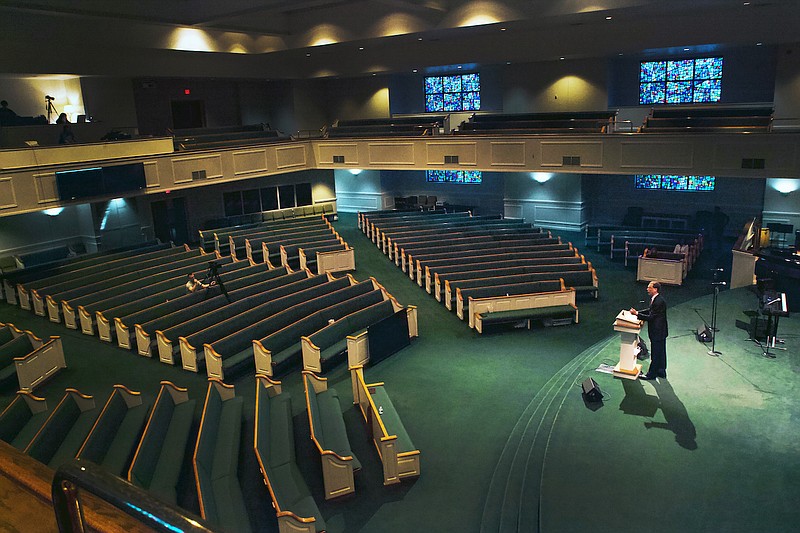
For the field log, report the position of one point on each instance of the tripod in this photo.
(50, 108)
(213, 275)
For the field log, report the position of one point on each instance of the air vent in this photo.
(338, 159)
(756, 163)
(451, 160)
(198, 175)
(571, 160)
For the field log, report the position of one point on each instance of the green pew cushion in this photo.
(29, 430)
(334, 350)
(229, 430)
(8, 375)
(332, 425)
(281, 437)
(556, 311)
(173, 448)
(292, 492)
(72, 441)
(391, 419)
(122, 446)
(230, 509)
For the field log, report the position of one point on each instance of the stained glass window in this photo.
(454, 176)
(453, 93)
(674, 182)
(681, 81)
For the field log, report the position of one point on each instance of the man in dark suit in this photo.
(657, 330)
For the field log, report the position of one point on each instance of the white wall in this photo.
(782, 203)
(37, 231)
(556, 86)
(25, 95)
(361, 192)
(556, 203)
(487, 196)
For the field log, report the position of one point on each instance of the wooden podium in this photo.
(628, 326)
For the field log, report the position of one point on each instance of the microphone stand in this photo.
(713, 351)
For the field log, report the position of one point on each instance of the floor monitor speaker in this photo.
(591, 392)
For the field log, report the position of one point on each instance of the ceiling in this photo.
(329, 38)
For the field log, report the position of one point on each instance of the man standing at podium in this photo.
(657, 330)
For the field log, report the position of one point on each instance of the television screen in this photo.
(388, 336)
(124, 178)
(80, 183)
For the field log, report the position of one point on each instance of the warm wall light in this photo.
(192, 40)
(541, 177)
(356, 171)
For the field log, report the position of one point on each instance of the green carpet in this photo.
(506, 441)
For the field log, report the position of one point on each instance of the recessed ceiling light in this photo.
(608, 17)
(562, 58)
(459, 66)
(360, 47)
(508, 62)
(308, 55)
(419, 38)
(620, 53)
(502, 29)
(414, 70)
(685, 49)
(759, 44)
(374, 74)
(747, 3)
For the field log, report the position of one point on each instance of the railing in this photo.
(78, 475)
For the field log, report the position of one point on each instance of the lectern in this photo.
(628, 327)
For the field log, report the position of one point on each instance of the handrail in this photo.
(80, 474)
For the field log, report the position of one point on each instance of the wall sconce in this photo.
(784, 186)
(541, 177)
(356, 171)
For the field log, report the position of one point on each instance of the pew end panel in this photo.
(213, 362)
(189, 359)
(23, 297)
(105, 329)
(166, 351)
(336, 261)
(71, 319)
(42, 306)
(123, 334)
(662, 270)
(40, 365)
(262, 358)
(144, 344)
(520, 302)
(86, 320)
(357, 350)
(312, 355)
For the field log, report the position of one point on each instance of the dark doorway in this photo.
(169, 220)
(188, 114)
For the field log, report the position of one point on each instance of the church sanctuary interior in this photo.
(369, 265)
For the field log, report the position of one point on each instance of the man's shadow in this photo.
(637, 402)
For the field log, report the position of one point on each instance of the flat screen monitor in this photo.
(388, 336)
(80, 183)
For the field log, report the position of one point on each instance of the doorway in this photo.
(169, 220)
(188, 114)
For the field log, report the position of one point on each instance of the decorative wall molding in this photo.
(183, 167)
(508, 154)
(46, 187)
(7, 194)
(553, 214)
(351, 202)
(249, 161)
(656, 154)
(384, 153)
(291, 156)
(151, 174)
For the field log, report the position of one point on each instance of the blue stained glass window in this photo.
(454, 176)
(433, 85)
(701, 183)
(434, 102)
(452, 101)
(674, 182)
(680, 81)
(471, 82)
(651, 93)
(679, 92)
(652, 71)
(647, 181)
(453, 93)
(707, 91)
(708, 68)
(452, 84)
(680, 70)
(472, 101)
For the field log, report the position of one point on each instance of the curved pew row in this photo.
(27, 291)
(38, 272)
(350, 334)
(273, 444)
(392, 232)
(222, 236)
(156, 464)
(65, 303)
(26, 359)
(21, 420)
(436, 272)
(580, 281)
(216, 457)
(496, 268)
(237, 242)
(371, 220)
(124, 324)
(113, 438)
(223, 321)
(329, 434)
(469, 228)
(145, 332)
(110, 309)
(172, 280)
(398, 455)
(275, 341)
(411, 265)
(257, 246)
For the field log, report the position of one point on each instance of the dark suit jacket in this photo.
(656, 318)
